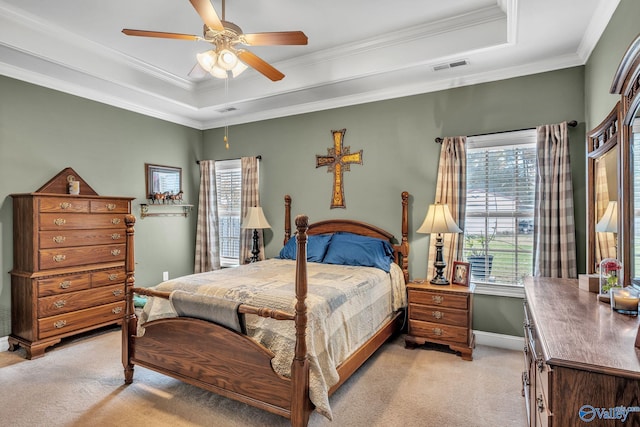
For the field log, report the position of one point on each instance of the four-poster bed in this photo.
(235, 365)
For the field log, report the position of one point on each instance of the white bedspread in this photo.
(346, 306)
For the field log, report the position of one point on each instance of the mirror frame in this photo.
(600, 141)
(626, 83)
(151, 170)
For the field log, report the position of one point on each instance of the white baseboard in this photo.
(4, 343)
(491, 339)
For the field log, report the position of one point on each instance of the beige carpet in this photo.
(80, 383)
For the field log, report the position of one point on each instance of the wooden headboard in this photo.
(401, 247)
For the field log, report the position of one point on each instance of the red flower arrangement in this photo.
(609, 274)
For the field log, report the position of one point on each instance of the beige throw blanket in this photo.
(346, 306)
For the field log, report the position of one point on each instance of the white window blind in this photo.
(229, 198)
(498, 230)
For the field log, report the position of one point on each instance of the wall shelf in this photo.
(168, 209)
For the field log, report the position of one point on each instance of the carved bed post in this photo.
(129, 322)
(301, 405)
(402, 249)
(287, 218)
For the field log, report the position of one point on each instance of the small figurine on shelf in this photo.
(176, 198)
(610, 269)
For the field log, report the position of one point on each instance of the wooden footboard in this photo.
(215, 358)
(220, 360)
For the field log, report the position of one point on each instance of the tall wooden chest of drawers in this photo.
(69, 263)
(442, 315)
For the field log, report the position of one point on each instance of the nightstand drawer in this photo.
(439, 299)
(441, 315)
(438, 332)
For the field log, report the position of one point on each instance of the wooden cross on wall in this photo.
(338, 160)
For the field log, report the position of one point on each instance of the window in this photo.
(498, 231)
(229, 199)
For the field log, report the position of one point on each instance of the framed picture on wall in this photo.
(460, 273)
(163, 180)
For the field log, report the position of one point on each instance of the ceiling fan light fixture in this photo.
(238, 69)
(207, 60)
(227, 59)
(218, 72)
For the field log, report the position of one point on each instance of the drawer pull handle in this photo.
(437, 299)
(115, 236)
(60, 324)
(59, 221)
(437, 331)
(113, 277)
(65, 205)
(65, 285)
(117, 310)
(117, 292)
(59, 258)
(59, 304)
(437, 314)
(115, 252)
(115, 221)
(59, 239)
(111, 206)
(540, 403)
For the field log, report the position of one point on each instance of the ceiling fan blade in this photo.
(260, 65)
(208, 14)
(276, 38)
(159, 34)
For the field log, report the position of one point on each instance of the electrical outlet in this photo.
(165, 275)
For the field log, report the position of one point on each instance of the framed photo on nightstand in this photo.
(460, 273)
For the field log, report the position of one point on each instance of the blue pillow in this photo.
(317, 245)
(353, 249)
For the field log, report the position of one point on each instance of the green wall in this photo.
(43, 131)
(397, 137)
(623, 28)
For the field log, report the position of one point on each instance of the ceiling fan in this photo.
(226, 58)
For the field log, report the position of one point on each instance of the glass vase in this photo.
(610, 277)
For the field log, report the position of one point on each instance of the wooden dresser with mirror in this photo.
(581, 363)
(69, 269)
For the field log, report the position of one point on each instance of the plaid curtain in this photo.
(207, 244)
(451, 189)
(605, 242)
(250, 198)
(554, 238)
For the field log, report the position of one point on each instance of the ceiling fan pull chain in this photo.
(226, 108)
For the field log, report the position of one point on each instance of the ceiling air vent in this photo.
(453, 64)
(227, 110)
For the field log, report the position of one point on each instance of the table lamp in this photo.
(439, 220)
(255, 219)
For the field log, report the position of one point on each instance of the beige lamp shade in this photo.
(255, 219)
(439, 220)
(609, 221)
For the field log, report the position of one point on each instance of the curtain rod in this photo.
(572, 123)
(257, 157)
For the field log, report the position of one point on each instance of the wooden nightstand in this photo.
(441, 314)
